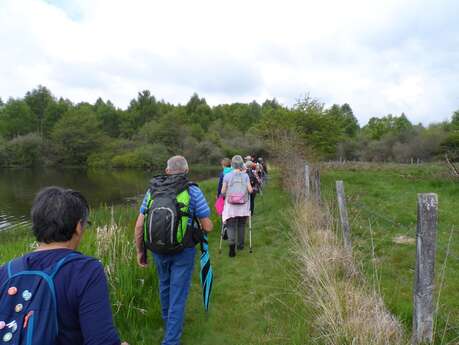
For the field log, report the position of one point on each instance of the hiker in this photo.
(83, 314)
(254, 182)
(172, 196)
(226, 166)
(236, 188)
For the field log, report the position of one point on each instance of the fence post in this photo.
(343, 214)
(426, 232)
(316, 185)
(307, 183)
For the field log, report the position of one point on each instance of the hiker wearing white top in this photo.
(236, 189)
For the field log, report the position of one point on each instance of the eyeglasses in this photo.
(85, 223)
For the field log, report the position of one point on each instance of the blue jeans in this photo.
(175, 272)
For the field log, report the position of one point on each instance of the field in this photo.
(382, 206)
(255, 297)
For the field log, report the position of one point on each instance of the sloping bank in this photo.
(346, 309)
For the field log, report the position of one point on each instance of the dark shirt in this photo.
(220, 184)
(84, 310)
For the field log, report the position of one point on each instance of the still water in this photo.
(19, 186)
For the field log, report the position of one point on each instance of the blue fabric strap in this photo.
(60, 263)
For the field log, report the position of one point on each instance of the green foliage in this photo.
(151, 156)
(97, 133)
(451, 144)
(22, 151)
(16, 118)
(76, 135)
(166, 130)
(38, 100)
(378, 127)
(109, 117)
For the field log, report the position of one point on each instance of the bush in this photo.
(147, 156)
(24, 151)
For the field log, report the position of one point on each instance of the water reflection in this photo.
(19, 186)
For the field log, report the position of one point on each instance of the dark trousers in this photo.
(252, 203)
(236, 230)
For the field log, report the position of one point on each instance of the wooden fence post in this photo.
(343, 214)
(316, 185)
(426, 232)
(307, 183)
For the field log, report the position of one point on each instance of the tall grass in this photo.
(346, 309)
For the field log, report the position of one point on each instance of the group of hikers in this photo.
(56, 295)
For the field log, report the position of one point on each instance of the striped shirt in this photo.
(198, 203)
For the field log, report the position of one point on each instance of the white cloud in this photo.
(381, 57)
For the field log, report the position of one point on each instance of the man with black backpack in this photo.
(172, 215)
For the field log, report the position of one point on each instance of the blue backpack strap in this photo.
(18, 265)
(66, 259)
(14, 266)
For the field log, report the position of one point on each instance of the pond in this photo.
(101, 187)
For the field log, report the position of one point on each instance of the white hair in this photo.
(237, 162)
(177, 165)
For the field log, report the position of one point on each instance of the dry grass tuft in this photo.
(402, 239)
(347, 310)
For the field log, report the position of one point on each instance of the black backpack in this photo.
(166, 226)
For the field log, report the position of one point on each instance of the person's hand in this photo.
(141, 259)
(124, 343)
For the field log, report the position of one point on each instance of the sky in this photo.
(381, 57)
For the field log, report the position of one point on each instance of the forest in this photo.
(43, 130)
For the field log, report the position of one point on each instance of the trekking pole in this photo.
(221, 238)
(250, 233)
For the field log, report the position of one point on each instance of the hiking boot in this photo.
(232, 250)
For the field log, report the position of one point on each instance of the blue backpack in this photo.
(28, 306)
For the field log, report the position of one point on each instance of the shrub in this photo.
(146, 156)
(24, 151)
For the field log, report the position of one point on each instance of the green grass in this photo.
(385, 196)
(255, 296)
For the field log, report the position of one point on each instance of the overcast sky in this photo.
(387, 56)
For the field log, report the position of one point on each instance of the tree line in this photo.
(41, 129)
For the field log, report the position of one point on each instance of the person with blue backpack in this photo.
(172, 215)
(56, 295)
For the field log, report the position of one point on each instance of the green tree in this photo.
(166, 130)
(455, 121)
(23, 151)
(76, 135)
(53, 113)
(16, 118)
(198, 112)
(109, 117)
(451, 145)
(38, 100)
(143, 109)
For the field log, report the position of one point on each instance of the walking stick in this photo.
(250, 233)
(221, 238)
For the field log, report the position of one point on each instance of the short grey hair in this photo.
(248, 164)
(177, 165)
(237, 162)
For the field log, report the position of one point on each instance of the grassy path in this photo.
(255, 299)
(254, 296)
